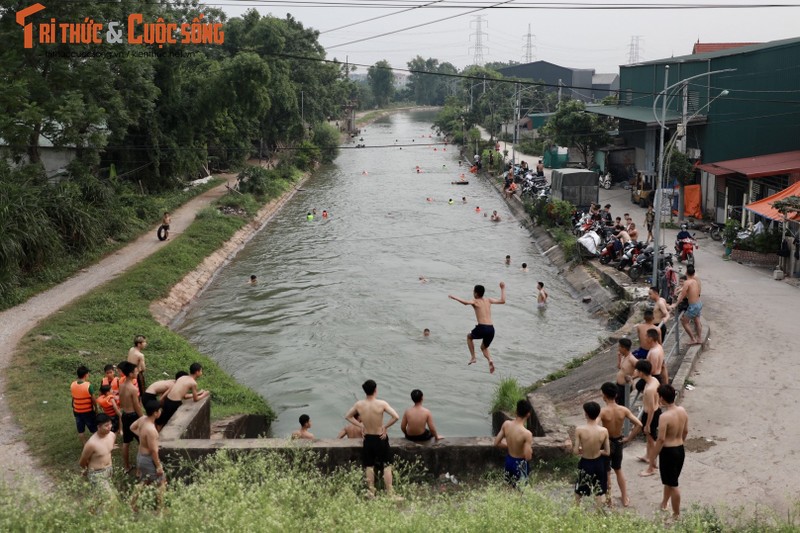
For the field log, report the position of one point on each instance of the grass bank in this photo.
(268, 493)
(98, 329)
(147, 211)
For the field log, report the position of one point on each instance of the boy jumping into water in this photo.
(484, 329)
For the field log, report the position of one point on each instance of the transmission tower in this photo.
(529, 48)
(633, 51)
(479, 34)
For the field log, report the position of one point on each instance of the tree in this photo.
(572, 126)
(381, 81)
(679, 168)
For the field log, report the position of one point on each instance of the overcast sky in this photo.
(599, 39)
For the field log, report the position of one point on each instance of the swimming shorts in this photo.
(640, 353)
(141, 383)
(101, 478)
(693, 311)
(663, 332)
(84, 421)
(671, 458)
(516, 470)
(653, 422)
(169, 409)
(376, 451)
(147, 396)
(425, 435)
(592, 477)
(147, 469)
(127, 434)
(620, 394)
(615, 458)
(483, 331)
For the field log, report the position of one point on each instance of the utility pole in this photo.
(633, 49)
(559, 90)
(529, 46)
(479, 34)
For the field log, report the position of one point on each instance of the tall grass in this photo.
(272, 493)
(98, 329)
(506, 396)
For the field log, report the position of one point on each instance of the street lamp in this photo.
(661, 122)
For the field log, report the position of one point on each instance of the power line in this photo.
(381, 17)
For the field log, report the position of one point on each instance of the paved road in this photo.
(16, 463)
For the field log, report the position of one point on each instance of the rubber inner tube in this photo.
(163, 232)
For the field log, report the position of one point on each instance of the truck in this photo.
(578, 186)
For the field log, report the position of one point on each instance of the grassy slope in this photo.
(98, 329)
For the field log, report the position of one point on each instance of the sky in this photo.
(577, 38)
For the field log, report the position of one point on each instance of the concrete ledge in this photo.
(688, 363)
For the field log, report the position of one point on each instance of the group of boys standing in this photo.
(127, 406)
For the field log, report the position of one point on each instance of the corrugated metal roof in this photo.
(636, 113)
(701, 48)
(756, 167)
(721, 53)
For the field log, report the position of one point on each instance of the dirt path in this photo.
(16, 463)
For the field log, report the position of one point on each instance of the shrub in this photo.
(506, 396)
(326, 138)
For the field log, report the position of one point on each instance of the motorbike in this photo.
(605, 181)
(684, 250)
(715, 231)
(630, 254)
(644, 262)
(612, 251)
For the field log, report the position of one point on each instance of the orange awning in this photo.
(764, 206)
(756, 167)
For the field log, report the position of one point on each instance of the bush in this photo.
(768, 242)
(326, 138)
(306, 155)
(531, 147)
(506, 396)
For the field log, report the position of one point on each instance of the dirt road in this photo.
(16, 463)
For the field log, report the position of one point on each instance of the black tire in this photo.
(635, 272)
(690, 258)
(716, 233)
(605, 259)
(163, 233)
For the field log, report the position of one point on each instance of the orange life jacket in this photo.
(114, 385)
(135, 382)
(106, 401)
(81, 397)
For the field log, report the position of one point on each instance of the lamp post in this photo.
(661, 122)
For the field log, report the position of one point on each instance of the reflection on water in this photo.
(339, 301)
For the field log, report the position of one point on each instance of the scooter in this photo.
(715, 231)
(612, 251)
(605, 181)
(630, 254)
(684, 250)
(644, 263)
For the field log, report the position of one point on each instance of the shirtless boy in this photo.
(691, 291)
(130, 407)
(136, 357)
(656, 357)
(673, 428)
(660, 312)
(641, 331)
(303, 432)
(518, 440)
(158, 390)
(148, 464)
(484, 329)
(96, 456)
(541, 295)
(352, 431)
(591, 443)
(625, 368)
(417, 423)
(612, 417)
(184, 385)
(650, 416)
(376, 453)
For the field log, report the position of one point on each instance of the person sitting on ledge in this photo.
(303, 432)
(415, 420)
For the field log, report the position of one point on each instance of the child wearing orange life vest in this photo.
(108, 403)
(83, 403)
(112, 381)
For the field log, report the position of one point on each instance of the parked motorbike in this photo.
(605, 181)
(644, 262)
(630, 254)
(715, 231)
(612, 251)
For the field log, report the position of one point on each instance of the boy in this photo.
(625, 368)
(518, 440)
(108, 403)
(417, 424)
(650, 415)
(673, 429)
(183, 385)
(110, 378)
(612, 417)
(131, 409)
(303, 432)
(591, 443)
(541, 295)
(83, 403)
(96, 455)
(136, 357)
(484, 329)
(148, 464)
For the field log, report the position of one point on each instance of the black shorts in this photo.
(422, 437)
(592, 477)
(147, 396)
(84, 421)
(615, 459)
(653, 423)
(663, 333)
(169, 409)
(376, 451)
(127, 434)
(484, 332)
(671, 463)
(621, 394)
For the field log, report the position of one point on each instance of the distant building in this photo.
(702, 48)
(576, 83)
(54, 159)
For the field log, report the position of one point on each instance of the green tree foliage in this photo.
(572, 126)
(429, 82)
(381, 81)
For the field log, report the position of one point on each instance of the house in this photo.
(577, 83)
(54, 159)
(740, 126)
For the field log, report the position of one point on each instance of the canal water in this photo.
(339, 300)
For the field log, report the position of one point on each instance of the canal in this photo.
(339, 300)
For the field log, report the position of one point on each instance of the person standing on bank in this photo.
(83, 404)
(673, 427)
(515, 437)
(485, 328)
(376, 453)
(136, 357)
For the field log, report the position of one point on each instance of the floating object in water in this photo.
(460, 182)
